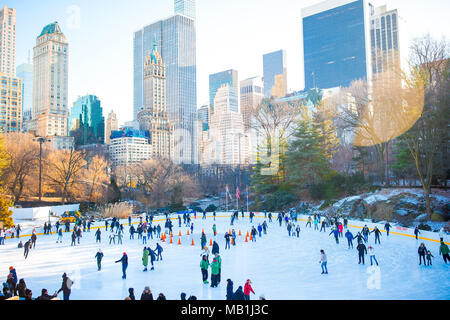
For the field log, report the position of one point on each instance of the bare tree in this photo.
(429, 71)
(64, 173)
(23, 153)
(96, 179)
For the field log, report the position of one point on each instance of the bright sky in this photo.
(230, 34)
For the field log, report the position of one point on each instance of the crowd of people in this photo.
(145, 231)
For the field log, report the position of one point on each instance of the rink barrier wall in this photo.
(408, 232)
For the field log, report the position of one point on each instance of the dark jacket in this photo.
(238, 295)
(229, 290)
(361, 248)
(64, 288)
(215, 248)
(124, 260)
(422, 250)
(146, 296)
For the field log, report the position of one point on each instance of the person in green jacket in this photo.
(219, 260)
(214, 272)
(444, 251)
(204, 268)
(203, 240)
(214, 229)
(145, 258)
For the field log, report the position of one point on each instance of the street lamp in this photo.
(41, 140)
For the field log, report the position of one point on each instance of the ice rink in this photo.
(280, 267)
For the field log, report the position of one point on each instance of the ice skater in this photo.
(422, 251)
(350, 238)
(416, 233)
(204, 268)
(377, 235)
(323, 261)
(158, 251)
(99, 257)
(335, 232)
(145, 258)
(444, 251)
(371, 251)
(429, 256)
(124, 261)
(362, 250)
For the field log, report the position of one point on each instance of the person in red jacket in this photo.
(247, 289)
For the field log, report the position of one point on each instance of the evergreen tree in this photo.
(307, 160)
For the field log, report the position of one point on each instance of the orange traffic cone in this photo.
(247, 233)
(246, 239)
(232, 241)
(240, 233)
(251, 237)
(188, 232)
(179, 241)
(192, 241)
(163, 239)
(229, 231)
(179, 233)
(171, 240)
(210, 242)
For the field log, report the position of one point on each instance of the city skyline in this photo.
(241, 48)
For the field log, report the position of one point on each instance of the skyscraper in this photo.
(50, 83)
(153, 118)
(86, 121)
(275, 74)
(176, 42)
(227, 144)
(336, 43)
(11, 86)
(111, 125)
(217, 80)
(252, 94)
(25, 72)
(8, 41)
(185, 7)
(204, 116)
(384, 38)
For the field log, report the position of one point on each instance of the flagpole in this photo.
(226, 198)
(247, 199)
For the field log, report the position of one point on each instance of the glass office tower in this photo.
(275, 74)
(336, 43)
(86, 121)
(216, 81)
(185, 7)
(175, 38)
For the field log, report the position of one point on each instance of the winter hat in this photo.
(147, 288)
(10, 268)
(124, 253)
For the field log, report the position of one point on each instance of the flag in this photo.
(228, 192)
(238, 195)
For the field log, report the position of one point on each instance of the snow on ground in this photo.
(280, 267)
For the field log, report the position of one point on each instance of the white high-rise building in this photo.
(50, 83)
(252, 93)
(227, 143)
(8, 41)
(11, 88)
